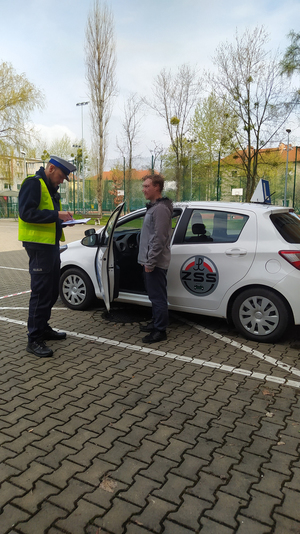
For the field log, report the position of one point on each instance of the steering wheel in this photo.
(127, 243)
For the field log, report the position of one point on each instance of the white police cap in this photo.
(63, 165)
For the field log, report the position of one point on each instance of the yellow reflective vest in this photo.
(40, 232)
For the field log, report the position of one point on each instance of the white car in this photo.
(231, 260)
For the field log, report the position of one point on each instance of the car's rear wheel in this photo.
(260, 314)
(76, 289)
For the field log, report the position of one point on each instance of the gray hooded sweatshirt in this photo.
(156, 235)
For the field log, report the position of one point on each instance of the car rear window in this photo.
(288, 225)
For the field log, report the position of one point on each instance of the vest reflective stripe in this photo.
(40, 232)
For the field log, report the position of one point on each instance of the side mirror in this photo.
(90, 239)
(90, 231)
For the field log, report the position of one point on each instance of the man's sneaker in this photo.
(49, 333)
(148, 328)
(39, 349)
(155, 336)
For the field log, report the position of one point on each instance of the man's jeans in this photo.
(156, 286)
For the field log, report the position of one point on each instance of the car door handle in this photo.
(236, 252)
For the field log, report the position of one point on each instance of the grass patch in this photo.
(103, 219)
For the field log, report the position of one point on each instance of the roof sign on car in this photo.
(262, 194)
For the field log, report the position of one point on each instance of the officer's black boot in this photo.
(39, 349)
(49, 333)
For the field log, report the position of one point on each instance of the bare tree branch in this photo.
(175, 97)
(249, 78)
(131, 125)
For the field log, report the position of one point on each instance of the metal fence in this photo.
(72, 196)
(8, 208)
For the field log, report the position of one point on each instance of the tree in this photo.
(118, 184)
(77, 155)
(156, 153)
(62, 146)
(45, 156)
(131, 128)
(175, 97)
(212, 131)
(249, 77)
(291, 59)
(100, 62)
(18, 98)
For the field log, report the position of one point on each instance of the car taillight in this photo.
(292, 256)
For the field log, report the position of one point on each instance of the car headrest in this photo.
(198, 228)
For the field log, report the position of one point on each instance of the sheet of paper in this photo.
(75, 221)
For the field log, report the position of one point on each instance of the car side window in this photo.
(136, 223)
(175, 218)
(214, 226)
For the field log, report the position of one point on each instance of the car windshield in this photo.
(136, 223)
(132, 224)
(288, 225)
(110, 225)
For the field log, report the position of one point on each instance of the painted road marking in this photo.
(243, 347)
(15, 308)
(15, 294)
(24, 308)
(13, 268)
(173, 356)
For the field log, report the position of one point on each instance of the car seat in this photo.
(199, 232)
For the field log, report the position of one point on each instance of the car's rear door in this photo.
(204, 266)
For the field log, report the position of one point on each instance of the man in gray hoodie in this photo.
(155, 255)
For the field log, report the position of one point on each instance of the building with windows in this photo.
(272, 167)
(12, 172)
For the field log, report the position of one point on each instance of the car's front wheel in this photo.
(76, 289)
(260, 314)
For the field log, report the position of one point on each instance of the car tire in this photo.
(76, 289)
(260, 314)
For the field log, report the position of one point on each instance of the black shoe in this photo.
(49, 333)
(148, 328)
(155, 336)
(39, 349)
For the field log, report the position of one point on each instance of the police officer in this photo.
(40, 229)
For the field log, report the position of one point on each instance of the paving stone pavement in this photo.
(197, 435)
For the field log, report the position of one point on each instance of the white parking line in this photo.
(14, 308)
(23, 308)
(195, 361)
(13, 268)
(15, 294)
(240, 346)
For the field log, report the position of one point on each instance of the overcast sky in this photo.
(45, 40)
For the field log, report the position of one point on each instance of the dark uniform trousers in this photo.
(44, 269)
(156, 287)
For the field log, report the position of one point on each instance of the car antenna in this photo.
(268, 198)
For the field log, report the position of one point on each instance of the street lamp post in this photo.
(152, 161)
(287, 166)
(82, 166)
(124, 173)
(22, 152)
(192, 141)
(77, 173)
(295, 176)
(72, 160)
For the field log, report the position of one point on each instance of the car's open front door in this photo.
(104, 261)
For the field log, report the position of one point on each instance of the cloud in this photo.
(51, 133)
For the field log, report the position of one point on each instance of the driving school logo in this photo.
(199, 275)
